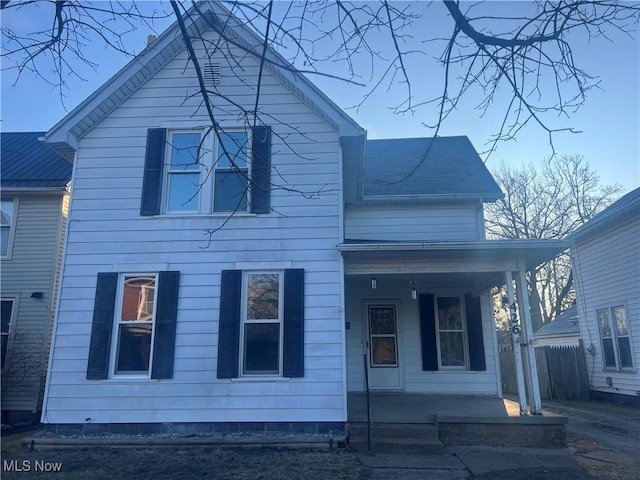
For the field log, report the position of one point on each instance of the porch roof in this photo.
(472, 255)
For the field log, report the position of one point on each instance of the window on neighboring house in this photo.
(134, 323)
(6, 226)
(451, 332)
(614, 331)
(6, 314)
(261, 326)
(198, 172)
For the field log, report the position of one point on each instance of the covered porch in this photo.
(427, 423)
(420, 321)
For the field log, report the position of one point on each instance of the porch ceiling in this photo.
(366, 257)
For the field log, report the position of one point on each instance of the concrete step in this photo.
(396, 438)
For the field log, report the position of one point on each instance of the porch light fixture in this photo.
(374, 283)
(414, 291)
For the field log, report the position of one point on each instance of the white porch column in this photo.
(515, 338)
(531, 366)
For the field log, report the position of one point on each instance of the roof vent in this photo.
(211, 74)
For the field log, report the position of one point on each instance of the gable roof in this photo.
(26, 162)
(65, 134)
(564, 324)
(625, 208)
(441, 167)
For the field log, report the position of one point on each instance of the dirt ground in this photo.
(178, 463)
(606, 441)
(606, 438)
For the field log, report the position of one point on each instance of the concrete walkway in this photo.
(460, 462)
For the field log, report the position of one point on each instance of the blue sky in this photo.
(609, 120)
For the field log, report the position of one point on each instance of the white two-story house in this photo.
(199, 293)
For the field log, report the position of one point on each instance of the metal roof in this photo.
(564, 324)
(441, 167)
(26, 162)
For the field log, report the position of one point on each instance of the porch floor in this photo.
(450, 420)
(392, 407)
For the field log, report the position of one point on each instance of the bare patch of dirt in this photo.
(606, 440)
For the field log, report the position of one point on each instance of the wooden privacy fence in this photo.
(562, 373)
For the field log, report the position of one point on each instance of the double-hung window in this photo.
(231, 172)
(6, 315)
(451, 338)
(184, 182)
(451, 333)
(614, 332)
(134, 325)
(7, 226)
(262, 324)
(207, 171)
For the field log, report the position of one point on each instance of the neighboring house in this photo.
(264, 323)
(606, 265)
(563, 331)
(35, 187)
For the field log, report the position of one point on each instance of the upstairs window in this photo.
(198, 172)
(614, 332)
(184, 172)
(7, 227)
(231, 172)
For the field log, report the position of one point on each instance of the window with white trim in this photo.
(185, 161)
(451, 336)
(616, 341)
(6, 316)
(206, 173)
(134, 324)
(261, 329)
(231, 172)
(7, 226)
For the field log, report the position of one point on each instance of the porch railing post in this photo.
(515, 339)
(535, 404)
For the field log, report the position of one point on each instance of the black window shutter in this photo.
(474, 332)
(229, 324)
(164, 340)
(102, 326)
(153, 164)
(261, 170)
(428, 333)
(293, 348)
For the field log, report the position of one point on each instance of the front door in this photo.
(383, 347)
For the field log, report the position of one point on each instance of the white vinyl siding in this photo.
(31, 268)
(606, 270)
(462, 382)
(407, 222)
(107, 230)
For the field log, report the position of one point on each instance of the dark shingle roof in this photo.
(564, 324)
(442, 166)
(27, 162)
(625, 208)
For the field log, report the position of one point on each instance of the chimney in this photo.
(151, 39)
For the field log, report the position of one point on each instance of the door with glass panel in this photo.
(383, 352)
